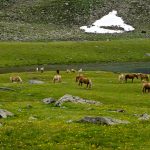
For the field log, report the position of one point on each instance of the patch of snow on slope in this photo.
(109, 20)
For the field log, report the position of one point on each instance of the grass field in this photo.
(22, 54)
(52, 130)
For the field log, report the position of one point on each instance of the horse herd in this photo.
(144, 79)
(81, 79)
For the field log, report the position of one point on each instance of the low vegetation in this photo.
(40, 126)
(22, 54)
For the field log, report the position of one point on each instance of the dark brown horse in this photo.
(143, 76)
(130, 76)
(84, 80)
(146, 87)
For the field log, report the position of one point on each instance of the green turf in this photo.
(22, 54)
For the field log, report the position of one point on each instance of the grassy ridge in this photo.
(51, 130)
(21, 54)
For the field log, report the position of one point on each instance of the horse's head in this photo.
(77, 78)
(136, 75)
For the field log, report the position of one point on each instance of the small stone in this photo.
(49, 100)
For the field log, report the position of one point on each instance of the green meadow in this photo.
(36, 53)
(56, 127)
(38, 126)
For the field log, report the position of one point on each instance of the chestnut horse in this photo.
(15, 79)
(84, 80)
(130, 76)
(146, 87)
(143, 76)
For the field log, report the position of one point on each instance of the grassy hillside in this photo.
(53, 129)
(21, 54)
(60, 19)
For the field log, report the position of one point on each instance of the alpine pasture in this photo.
(36, 125)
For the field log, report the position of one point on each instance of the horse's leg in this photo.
(87, 85)
(132, 80)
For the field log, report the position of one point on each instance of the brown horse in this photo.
(78, 76)
(15, 79)
(84, 80)
(143, 76)
(146, 87)
(130, 76)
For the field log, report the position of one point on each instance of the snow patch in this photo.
(110, 20)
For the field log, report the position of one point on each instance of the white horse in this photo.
(57, 78)
(80, 70)
(68, 71)
(121, 78)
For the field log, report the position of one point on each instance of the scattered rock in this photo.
(32, 118)
(103, 120)
(4, 113)
(118, 110)
(6, 89)
(69, 121)
(35, 82)
(147, 54)
(143, 31)
(144, 117)
(49, 100)
(29, 106)
(74, 99)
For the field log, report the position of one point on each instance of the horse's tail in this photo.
(11, 79)
(148, 77)
(19, 79)
(90, 83)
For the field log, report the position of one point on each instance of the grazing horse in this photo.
(146, 87)
(143, 76)
(15, 79)
(84, 80)
(73, 70)
(57, 78)
(130, 76)
(121, 78)
(68, 71)
(78, 76)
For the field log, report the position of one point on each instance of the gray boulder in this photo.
(75, 99)
(4, 113)
(6, 89)
(35, 82)
(48, 100)
(144, 117)
(103, 120)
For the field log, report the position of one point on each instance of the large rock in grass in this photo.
(144, 117)
(4, 113)
(48, 100)
(75, 99)
(35, 82)
(103, 120)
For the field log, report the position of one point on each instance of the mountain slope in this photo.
(61, 19)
